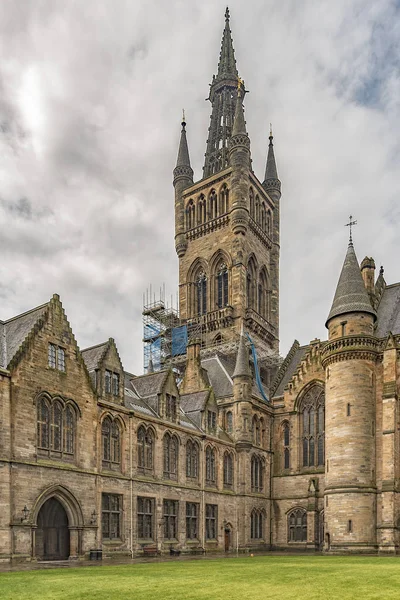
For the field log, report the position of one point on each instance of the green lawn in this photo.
(244, 578)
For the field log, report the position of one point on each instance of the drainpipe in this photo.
(131, 482)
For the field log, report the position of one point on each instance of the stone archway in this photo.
(52, 533)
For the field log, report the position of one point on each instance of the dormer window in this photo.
(56, 357)
(115, 384)
(211, 420)
(107, 382)
(111, 383)
(170, 407)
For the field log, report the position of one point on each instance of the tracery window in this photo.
(170, 456)
(192, 459)
(201, 296)
(213, 205)
(211, 476)
(56, 424)
(257, 474)
(190, 215)
(222, 285)
(228, 470)
(111, 443)
(297, 525)
(145, 445)
(223, 200)
(286, 446)
(312, 411)
(252, 284)
(201, 210)
(257, 524)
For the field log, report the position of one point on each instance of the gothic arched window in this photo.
(228, 470)
(211, 476)
(43, 424)
(201, 210)
(222, 285)
(263, 217)
(213, 205)
(56, 426)
(312, 412)
(286, 445)
(69, 430)
(111, 443)
(192, 459)
(224, 200)
(256, 431)
(297, 525)
(201, 295)
(269, 222)
(257, 205)
(257, 524)
(170, 456)
(229, 422)
(257, 474)
(263, 294)
(190, 215)
(56, 423)
(252, 284)
(145, 446)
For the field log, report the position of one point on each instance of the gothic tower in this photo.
(227, 224)
(349, 358)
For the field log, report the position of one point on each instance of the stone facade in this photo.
(302, 455)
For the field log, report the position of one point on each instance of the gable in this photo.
(16, 330)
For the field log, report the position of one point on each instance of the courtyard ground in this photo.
(243, 578)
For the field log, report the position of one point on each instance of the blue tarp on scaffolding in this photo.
(179, 340)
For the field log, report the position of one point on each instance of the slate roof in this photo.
(351, 294)
(194, 401)
(219, 375)
(14, 331)
(389, 311)
(289, 368)
(93, 355)
(149, 385)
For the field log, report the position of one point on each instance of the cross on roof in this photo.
(350, 224)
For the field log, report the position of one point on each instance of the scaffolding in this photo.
(159, 321)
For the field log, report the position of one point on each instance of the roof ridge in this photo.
(27, 312)
(283, 368)
(95, 346)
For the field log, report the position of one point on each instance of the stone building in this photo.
(238, 454)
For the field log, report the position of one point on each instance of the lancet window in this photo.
(201, 293)
(56, 427)
(190, 215)
(145, 449)
(213, 205)
(297, 525)
(111, 443)
(312, 412)
(222, 285)
(223, 200)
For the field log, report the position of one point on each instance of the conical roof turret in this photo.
(351, 295)
(242, 367)
(239, 123)
(271, 179)
(183, 167)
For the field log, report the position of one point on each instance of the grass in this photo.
(244, 578)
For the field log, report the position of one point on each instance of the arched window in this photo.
(257, 524)
(201, 210)
(222, 285)
(111, 443)
(297, 525)
(257, 474)
(224, 200)
(56, 423)
(286, 445)
(228, 470)
(257, 204)
(213, 205)
(43, 424)
(263, 217)
(252, 212)
(256, 431)
(219, 339)
(229, 422)
(170, 456)
(269, 222)
(201, 295)
(252, 284)
(190, 215)
(263, 294)
(262, 432)
(145, 441)
(192, 459)
(312, 412)
(211, 476)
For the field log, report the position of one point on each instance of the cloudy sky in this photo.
(91, 95)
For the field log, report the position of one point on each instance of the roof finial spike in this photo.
(183, 119)
(350, 225)
(270, 131)
(227, 14)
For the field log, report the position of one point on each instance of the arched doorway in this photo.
(227, 537)
(52, 533)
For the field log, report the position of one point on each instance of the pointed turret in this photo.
(271, 181)
(183, 178)
(223, 100)
(239, 124)
(351, 295)
(242, 367)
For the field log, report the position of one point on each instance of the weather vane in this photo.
(350, 224)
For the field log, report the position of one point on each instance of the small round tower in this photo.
(349, 361)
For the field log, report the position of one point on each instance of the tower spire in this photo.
(271, 179)
(183, 159)
(223, 95)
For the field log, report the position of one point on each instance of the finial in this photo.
(270, 131)
(350, 224)
(227, 14)
(381, 270)
(183, 119)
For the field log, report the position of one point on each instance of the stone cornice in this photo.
(206, 228)
(350, 348)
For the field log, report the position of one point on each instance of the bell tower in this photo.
(227, 224)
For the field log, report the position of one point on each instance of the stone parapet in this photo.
(350, 347)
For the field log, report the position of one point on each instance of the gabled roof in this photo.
(195, 401)
(14, 331)
(150, 384)
(94, 355)
(289, 367)
(389, 311)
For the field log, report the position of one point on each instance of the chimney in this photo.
(194, 379)
(368, 274)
